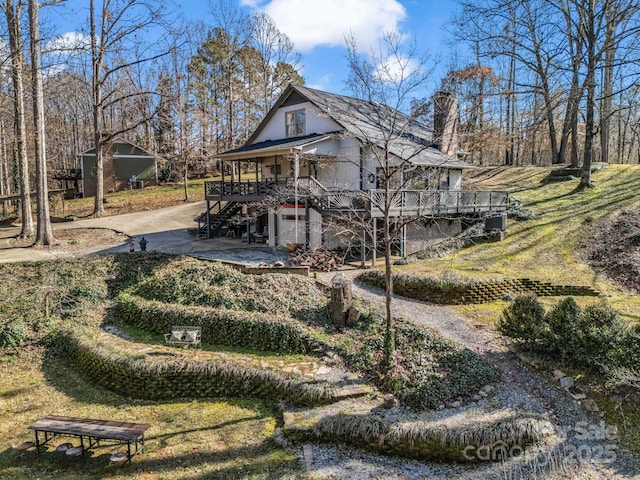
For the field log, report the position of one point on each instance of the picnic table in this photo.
(91, 430)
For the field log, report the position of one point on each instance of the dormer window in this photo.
(295, 121)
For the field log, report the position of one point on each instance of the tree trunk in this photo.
(590, 81)
(98, 111)
(607, 84)
(341, 300)
(44, 234)
(15, 44)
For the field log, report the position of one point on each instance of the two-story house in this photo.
(319, 158)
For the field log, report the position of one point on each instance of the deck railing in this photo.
(404, 202)
(239, 190)
(437, 202)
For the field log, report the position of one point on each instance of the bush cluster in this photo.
(35, 296)
(443, 291)
(187, 281)
(427, 370)
(594, 337)
(13, 333)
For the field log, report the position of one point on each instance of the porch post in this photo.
(363, 249)
(296, 172)
(257, 181)
(208, 217)
(307, 229)
(375, 242)
(222, 188)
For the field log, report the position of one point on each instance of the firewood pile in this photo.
(317, 259)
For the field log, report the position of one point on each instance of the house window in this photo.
(275, 169)
(295, 123)
(293, 217)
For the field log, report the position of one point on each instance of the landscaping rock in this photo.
(566, 382)
(390, 401)
(487, 389)
(590, 405)
(558, 374)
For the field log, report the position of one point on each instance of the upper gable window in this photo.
(295, 121)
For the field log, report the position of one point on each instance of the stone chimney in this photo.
(445, 120)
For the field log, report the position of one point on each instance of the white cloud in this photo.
(394, 69)
(313, 23)
(68, 42)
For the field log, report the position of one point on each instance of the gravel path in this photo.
(585, 453)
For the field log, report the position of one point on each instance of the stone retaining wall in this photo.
(469, 292)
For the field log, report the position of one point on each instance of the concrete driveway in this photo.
(166, 230)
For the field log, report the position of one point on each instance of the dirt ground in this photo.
(79, 239)
(612, 248)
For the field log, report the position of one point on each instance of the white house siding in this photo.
(420, 236)
(343, 171)
(372, 162)
(315, 122)
(287, 226)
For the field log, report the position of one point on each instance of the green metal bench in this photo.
(183, 335)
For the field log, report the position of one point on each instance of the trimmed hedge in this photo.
(243, 329)
(492, 439)
(461, 292)
(105, 361)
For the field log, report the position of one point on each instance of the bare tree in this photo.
(388, 79)
(13, 13)
(44, 233)
(274, 50)
(118, 45)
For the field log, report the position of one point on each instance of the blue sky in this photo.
(318, 29)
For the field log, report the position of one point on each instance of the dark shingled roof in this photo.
(369, 122)
(280, 144)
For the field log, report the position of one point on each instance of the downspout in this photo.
(307, 229)
(361, 169)
(222, 186)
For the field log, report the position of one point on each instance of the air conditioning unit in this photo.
(496, 223)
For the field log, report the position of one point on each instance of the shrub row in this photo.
(115, 368)
(438, 441)
(242, 329)
(458, 292)
(594, 337)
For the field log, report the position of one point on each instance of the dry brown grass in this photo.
(187, 440)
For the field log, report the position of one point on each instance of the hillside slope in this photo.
(550, 246)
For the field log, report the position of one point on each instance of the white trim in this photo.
(118, 155)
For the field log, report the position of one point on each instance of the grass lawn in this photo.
(129, 201)
(222, 438)
(546, 247)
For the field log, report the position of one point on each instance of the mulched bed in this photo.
(612, 247)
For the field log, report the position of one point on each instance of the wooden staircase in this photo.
(217, 219)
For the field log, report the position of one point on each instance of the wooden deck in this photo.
(400, 203)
